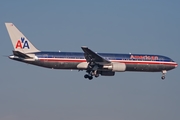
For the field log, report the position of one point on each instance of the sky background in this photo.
(29, 92)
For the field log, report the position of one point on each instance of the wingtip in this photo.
(84, 47)
(9, 23)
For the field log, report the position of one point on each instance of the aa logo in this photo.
(22, 43)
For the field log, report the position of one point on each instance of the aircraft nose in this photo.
(176, 64)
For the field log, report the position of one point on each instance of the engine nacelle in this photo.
(82, 65)
(116, 67)
(107, 73)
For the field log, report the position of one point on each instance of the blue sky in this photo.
(28, 92)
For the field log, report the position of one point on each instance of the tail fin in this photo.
(19, 41)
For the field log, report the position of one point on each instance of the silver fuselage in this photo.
(71, 60)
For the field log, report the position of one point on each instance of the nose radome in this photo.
(176, 65)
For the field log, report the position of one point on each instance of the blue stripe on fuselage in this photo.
(108, 56)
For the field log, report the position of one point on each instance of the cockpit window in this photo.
(171, 60)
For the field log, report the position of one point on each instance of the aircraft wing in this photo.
(91, 56)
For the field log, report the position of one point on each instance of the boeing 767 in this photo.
(95, 64)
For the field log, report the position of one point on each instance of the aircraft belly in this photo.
(56, 65)
(129, 67)
(148, 67)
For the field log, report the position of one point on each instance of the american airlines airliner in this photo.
(95, 64)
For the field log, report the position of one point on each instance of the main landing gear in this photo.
(163, 74)
(90, 77)
(91, 74)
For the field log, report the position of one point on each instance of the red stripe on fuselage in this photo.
(121, 61)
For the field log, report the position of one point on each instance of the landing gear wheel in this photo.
(90, 77)
(163, 74)
(86, 76)
(163, 77)
(97, 75)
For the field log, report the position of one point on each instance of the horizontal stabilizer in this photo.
(20, 54)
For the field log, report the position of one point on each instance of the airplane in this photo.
(95, 64)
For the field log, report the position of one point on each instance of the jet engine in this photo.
(116, 67)
(107, 73)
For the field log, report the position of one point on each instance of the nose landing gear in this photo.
(163, 77)
(163, 74)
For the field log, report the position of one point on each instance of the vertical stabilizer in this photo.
(19, 41)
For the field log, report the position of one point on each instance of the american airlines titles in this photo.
(146, 57)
